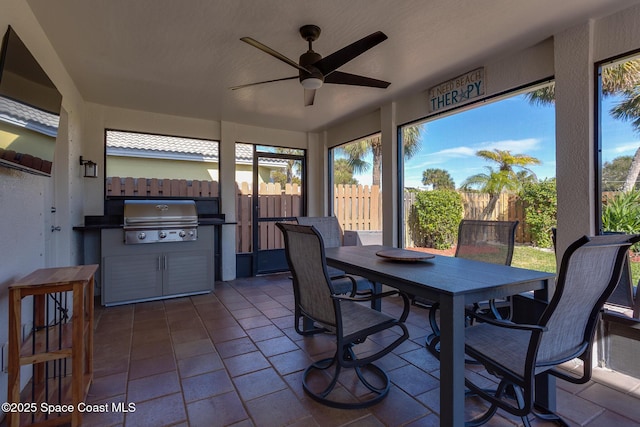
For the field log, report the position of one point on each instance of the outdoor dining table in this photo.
(453, 282)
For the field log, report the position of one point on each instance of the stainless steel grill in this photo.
(153, 221)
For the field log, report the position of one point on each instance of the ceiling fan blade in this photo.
(338, 77)
(266, 81)
(273, 53)
(337, 59)
(309, 97)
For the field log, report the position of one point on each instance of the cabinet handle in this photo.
(164, 258)
(159, 262)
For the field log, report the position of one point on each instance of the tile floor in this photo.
(232, 357)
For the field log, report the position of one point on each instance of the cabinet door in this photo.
(189, 271)
(132, 277)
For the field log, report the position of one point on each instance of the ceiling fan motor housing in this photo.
(307, 60)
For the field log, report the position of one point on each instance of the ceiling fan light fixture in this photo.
(312, 83)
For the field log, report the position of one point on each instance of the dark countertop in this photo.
(105, 222)
(95, 227)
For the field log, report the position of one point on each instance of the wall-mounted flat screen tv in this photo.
(29, 110)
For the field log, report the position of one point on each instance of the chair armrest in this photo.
(345, 277)
(614, 316)
(405, 299)
(366, 297)
(508, 324)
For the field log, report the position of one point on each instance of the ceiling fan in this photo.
(314, 70)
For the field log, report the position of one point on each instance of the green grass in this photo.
(545, 260)
(635, 272)
(534, 259)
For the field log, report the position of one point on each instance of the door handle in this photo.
(55, 228)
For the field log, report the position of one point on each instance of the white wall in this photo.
(26, 200)
(574, 134)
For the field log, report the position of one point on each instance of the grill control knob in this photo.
(162, 234)
(182, 233)
(141, 236)
(192, 233)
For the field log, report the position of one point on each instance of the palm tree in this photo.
(293, 166)
(343, 172)
(622, 78)
(356, 151)
(629, 110)
(504, 178)
(440, 179)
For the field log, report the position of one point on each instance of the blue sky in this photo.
(618, 137)
(512, 124)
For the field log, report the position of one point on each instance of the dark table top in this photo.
(440, 275)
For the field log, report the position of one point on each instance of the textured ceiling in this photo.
(181, 57)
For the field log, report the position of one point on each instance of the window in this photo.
(356, 175)
(148, 165)
(276, 193)
(481, 157)
(619, 147)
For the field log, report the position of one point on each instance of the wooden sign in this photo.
(456, 91)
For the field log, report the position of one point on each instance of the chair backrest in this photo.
(623, 294)
(311, 285)
(589, 271)
(488, 241)
(328, 227)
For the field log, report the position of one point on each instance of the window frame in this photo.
(108, 198)
(597, 157)
(400, 226)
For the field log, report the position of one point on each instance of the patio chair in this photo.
(516, 353)
(332, 236)
(623, 299)
(487, 241)
(346, 317)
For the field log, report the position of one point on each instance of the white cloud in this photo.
(456, 152)
(422, 165)
(515, 146)
(630, 147)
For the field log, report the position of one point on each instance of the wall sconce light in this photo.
(90, 168)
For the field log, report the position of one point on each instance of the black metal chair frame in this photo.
(344, 307)
(625, 294)
(332, 236)
(433, 339)
(515, 391)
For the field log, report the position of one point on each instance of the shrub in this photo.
(540, 209)
(434, 218)
(622, 212)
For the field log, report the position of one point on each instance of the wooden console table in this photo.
(54, 338)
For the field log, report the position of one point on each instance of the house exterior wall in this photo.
(23, 140)
(137, 167)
